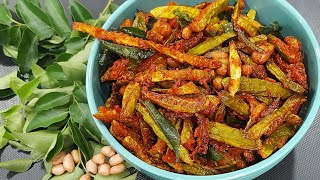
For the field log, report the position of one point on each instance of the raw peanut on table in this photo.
(58, 159)
(99, 159)
(117, 169)
(104, 169)
(92, 167)
(107, 151)
(75, 155)
(115, 160)
(58, 170)
(68, 163)
(85, 177)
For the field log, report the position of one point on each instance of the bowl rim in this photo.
(248, 172)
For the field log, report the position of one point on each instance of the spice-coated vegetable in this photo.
(256, 131)
(276, 140)
(213, 9)
(232, 136)
(235, 69)
(210, 43)
(168, 11)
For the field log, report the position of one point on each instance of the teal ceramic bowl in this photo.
(267, 11)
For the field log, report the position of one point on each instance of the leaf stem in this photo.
(16, 22)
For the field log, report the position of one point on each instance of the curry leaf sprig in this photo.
(53, 114)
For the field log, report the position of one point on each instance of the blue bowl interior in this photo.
(267, 11)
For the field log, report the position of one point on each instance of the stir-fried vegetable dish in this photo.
(203, 89)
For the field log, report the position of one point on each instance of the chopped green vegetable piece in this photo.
(129, 52)
(130, 99)
(259, 87)
(213, 9)
(235, 103)
(281, 76)
(277, 139)
(257, 130)
(232, 136)
(210, 43)
(170, 12)
(235, 69)
(198, 169)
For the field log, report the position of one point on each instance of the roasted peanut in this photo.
(115, 160)
(68, 163)
(121, 90)
(107, 151)
(92, 167)
(246, 70)
(58, 159)
(217, 83)
(172, 63)
(75, 155)
(223, 70)
(126, 23)
(58, 170)
(85, 177)
(99, 159)
(117, 169)
(104, 169)
(186, 32)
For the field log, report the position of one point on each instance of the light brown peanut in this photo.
(85, 177)
(104, 169)
(99, 159)
(117, 169)
(58, 158)
(107, 151)
(58, 170)
(68, 163)
(92, 167)
(75, 156)
(115, 160)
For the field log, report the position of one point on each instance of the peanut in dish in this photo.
(201, 90)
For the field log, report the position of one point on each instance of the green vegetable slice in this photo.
(232, 136)
(210, 43)
(257, 130)
(235, 103)
(276, 139)
(260, 87)
(281, 76)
